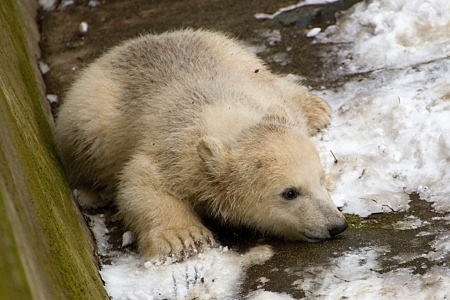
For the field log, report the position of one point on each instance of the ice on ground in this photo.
(291, 7)
(83, 27)
(391, 136)
(100, 231)
(354, 276)
(215, 274)
(43, 67)
(266, 295)
(385, 34)
(127, 238)
(65, 3)
(313, 32)
(272, 36)
(47, 4)
(441, 246)
(411, 222)
(390, 130)
(52, 98)
(93, 3)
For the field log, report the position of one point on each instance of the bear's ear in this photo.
(213, 153)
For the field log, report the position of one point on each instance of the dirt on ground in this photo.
(66, 49)
(286, 49)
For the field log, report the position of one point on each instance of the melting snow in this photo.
(390, 135)
(354, 276)
(391, 130)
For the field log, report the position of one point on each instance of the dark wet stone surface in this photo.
(66, 50)
(320, 15)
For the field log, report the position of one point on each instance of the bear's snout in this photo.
(335, 230)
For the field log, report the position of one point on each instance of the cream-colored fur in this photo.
(189, 123)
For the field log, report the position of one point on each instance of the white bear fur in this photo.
(189, 124)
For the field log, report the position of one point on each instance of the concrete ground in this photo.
(287, 50)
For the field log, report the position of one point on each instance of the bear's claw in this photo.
(174, 245)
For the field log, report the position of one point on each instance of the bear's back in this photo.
(147, 90)
(147, 64)
(166, 81)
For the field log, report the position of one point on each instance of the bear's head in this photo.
(270, 179)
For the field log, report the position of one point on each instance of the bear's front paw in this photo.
(173, 245)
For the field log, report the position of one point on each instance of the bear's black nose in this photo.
(338, 229)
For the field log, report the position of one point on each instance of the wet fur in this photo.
(189, 123)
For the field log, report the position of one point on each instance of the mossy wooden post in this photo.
(45, 247)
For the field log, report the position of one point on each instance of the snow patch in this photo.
(385, 34)
(43, 67)
(83, 27)
(390, 136)
(291, 7)
(355, 276)
(47, 4)
(52, 98)
(390, 130)
(411, 222)
(214, 274)
(313, 32)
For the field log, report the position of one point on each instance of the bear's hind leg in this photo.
(165, 226)
(316, 110)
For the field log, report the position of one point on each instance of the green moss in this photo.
(37, 213)
(354, 221)
(13, 281)
(374, 221)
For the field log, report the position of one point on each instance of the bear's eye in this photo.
(290, 194)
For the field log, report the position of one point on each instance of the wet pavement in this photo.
(403, 239)
(66, 49)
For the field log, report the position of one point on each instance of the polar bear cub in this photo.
(189, 124)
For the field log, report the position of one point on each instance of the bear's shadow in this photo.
(239, 239)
